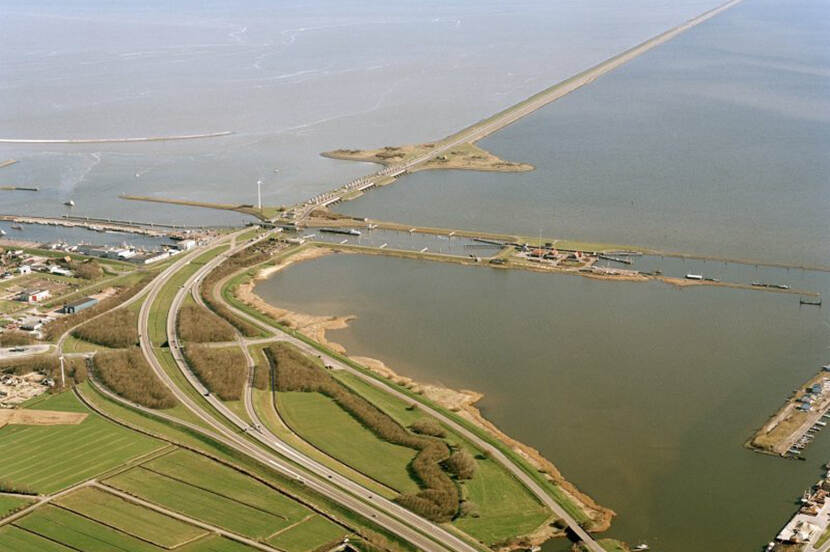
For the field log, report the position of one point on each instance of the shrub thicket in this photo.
(262, 377)
(13, 338)
(200, 325)
(88, 270)
(57, 327)
(439, 499)
(247, 257)
(45, 364)
(222, 371)
(462, 464)
(128, 375)
(117, 329)
(428, 426)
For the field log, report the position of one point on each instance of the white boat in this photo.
(2, 232)
(640, 547)
(690, 277)
(69, 203)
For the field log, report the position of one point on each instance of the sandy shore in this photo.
(311, 325)
(460, 401)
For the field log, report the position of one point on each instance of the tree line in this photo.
(222, 371)
(199, 325)
(127, 374)
(247, 257)
(439, 498)
(117, 329)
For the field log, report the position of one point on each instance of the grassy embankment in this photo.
(264, 405)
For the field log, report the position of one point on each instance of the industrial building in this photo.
(78, 306)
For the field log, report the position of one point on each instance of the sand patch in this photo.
(313, 326)
(40, 417)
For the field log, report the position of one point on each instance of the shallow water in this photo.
(714, 143)
(291, 80)
(641, 393)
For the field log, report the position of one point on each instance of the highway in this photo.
(315, 476)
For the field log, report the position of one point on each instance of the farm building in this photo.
(78, 306)
(32, 324)
(34, 296)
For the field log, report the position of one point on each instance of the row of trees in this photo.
(127, 373)
(439, 498)
(222, 371)
(57, 327)
(247, 257)
(117, 329)
(199, 325)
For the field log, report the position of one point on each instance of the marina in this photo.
(794, 427)
(809, 529)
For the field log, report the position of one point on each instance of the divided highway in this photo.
(424, 534)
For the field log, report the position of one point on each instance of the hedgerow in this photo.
(439, 498)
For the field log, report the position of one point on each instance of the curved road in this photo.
(318, 478)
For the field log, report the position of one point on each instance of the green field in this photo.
(18, 540)
(263, 405)
(80, 533)
(505, 507)
(215, 544)
(46, 459)
(321, 422)
(203, 472)
(157, 322)
(197, 503)
(73, 344)
(308, 535)
(216, 495)
(10, 504)
(130, 518)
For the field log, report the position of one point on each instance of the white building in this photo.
(24, 269)
(60, 271)
(186, 244)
